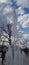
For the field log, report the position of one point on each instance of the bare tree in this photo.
(7, 35)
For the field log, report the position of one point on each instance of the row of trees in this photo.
(5, 33)
(5, 38)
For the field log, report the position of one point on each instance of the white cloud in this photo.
(21, 31)
(26, 36)
(20, 19)
(26, 23)
(24, 3)
(20, 10)
(7, 10)
(2, 1)
(7, 13)
(24, 20)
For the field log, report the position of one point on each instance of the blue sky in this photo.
(22, 9)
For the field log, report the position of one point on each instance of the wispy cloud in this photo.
(24, 20)
(6, 13)
(2, 1)
(26, 36)
(20, 31)
(6, 10)
(24, 3)
(20, 10)
(26, 23)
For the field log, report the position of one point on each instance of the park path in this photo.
(15, 57)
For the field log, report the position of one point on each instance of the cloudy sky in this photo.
(22, 10)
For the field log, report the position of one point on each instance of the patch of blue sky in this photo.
(26, 10)
(26, 30)
(14, 5)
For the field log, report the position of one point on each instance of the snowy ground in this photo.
(15, 57)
